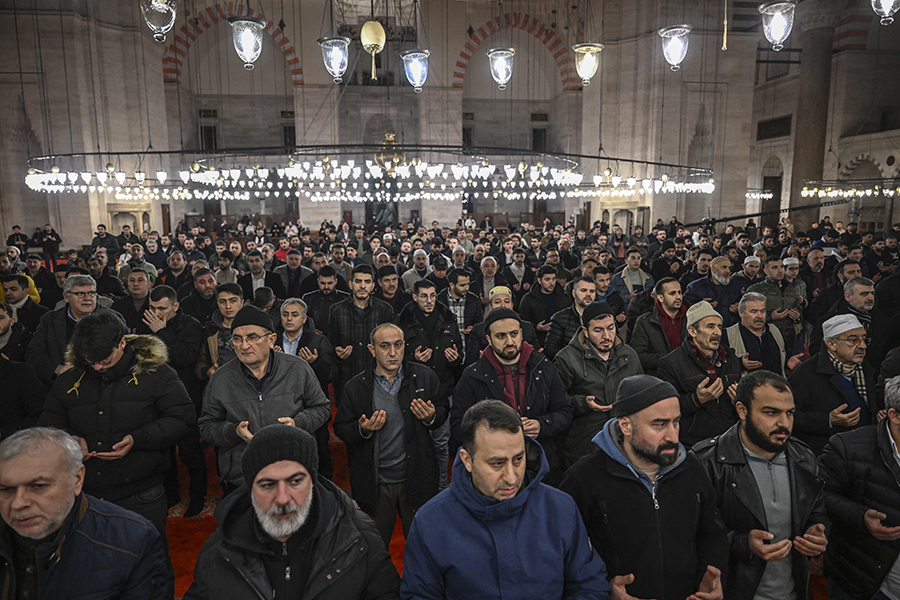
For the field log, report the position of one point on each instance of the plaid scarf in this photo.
(856, 375)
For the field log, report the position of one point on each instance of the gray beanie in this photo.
(279, 442)
(637, 392)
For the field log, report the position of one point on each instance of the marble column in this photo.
(816, 20)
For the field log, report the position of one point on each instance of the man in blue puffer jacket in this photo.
(498, 532)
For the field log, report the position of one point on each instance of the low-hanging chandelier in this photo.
(389, 171)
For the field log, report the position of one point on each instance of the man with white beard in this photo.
(290, 534)
(719, 288)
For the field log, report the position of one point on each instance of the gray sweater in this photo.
(289, 390)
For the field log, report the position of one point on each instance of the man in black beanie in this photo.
(262, 387)
(288, 534)
(643, 490)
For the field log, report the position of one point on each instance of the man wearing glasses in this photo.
(47, 350)
(834, 390)
(262, 387)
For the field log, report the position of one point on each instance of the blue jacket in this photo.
(101, 551)
(725, 295)
(463, 545)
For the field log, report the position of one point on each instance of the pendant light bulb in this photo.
(675, 43)
(159, 16)
(501, 65)
(587, 60)
(247, 37)
(778, 20)
(335, 54)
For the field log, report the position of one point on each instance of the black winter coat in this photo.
(649, 340)
(139, 396)
(421, 457)
(533, 310)
(666, 538)
(272, 281)
(349, 326)
(17, 345)
(184, 338)
(29, 316)
(699, 421)
(447, 337)
(319, 305)
(23, 397)
(741, 508)
(545, 400)
(349, 559)
(860, 473)
(818, 390)
(563, 325)
(325, 366)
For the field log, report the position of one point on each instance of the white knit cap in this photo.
(791, 261)
(839, 324)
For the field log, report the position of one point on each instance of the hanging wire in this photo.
(21, 77)
(62, 35)
(91, 41)
(140, 38)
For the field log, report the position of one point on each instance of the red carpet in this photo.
(187, 536)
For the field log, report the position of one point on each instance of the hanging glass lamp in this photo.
(885, 9)
(587, 60)
(159, 16)
(247, 34)
(778, 20)
(373, 37)
(335, 53)
(675, 43)
(415, 63)
(501, 65)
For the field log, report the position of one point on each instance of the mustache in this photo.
(780, 430)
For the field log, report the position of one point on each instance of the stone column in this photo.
(816, 20)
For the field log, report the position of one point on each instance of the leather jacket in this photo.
(741, 507)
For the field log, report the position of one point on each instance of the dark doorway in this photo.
(771, 184)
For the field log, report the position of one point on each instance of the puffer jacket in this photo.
(723, 295)
(699, 420)
(583, 374)
(448, 336)
(563, 325)
(665, 533)
(139, 396)
(290, 389)
(101, 551)
(348, 557)
(742, 510)
(533, 309)
(545, 400)
(532, 546)
(421, 458)
(860, 473)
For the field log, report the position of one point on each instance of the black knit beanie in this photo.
(279, 442)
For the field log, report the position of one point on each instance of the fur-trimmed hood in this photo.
(150, 352)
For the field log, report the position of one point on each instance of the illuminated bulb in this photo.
(501, 65)
(778, 20)
(587, 60)
(247, 37)
(675, 43)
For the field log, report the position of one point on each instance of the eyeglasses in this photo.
(81, 295)
(252, 338)
(855, 340)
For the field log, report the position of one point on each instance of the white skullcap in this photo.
(751, 258)
(791, 261)
(418, 252)
(839, 324)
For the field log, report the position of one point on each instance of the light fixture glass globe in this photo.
(335, 54)
(587, 60)
(247, 36)
(778, 20)
(675, 43)
(501, 65)
(415, 63)
(159, 16)
(885, 9)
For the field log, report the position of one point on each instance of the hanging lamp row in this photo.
(777, 20)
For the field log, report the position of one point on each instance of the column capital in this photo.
(818, 14)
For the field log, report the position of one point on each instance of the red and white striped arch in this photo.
(176, 53)
(548, 38)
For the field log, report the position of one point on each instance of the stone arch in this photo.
(548, 38)
(773, 167)
(176, 52)
(851, 165)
